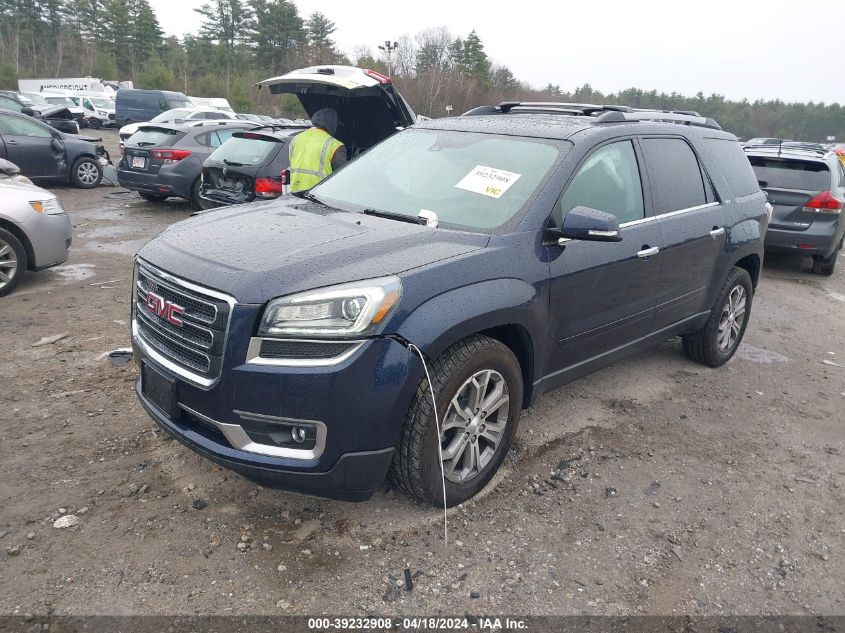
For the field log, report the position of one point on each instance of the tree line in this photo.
(241, 42)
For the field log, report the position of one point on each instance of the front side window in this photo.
(469, 180)
(608, 181)
(15, 126)
(676, 179)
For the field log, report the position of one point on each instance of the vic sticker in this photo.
(488, 181)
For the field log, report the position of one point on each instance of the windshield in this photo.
(173, 104)
(477, 181)
(245, 151)
(172, 115)
(105, 104)
(64, 101)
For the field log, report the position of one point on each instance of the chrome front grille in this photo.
(190, 343)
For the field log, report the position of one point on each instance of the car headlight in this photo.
(47, 207)
(102, 113)
(335, 311)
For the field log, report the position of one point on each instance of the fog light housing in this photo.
(295, 434)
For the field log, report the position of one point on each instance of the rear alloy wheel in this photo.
(716, 342)
(86, 173)
(196, 202)
(478, 387)
(12, 262)
(826, 265)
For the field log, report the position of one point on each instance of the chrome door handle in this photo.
(717, 232)
(648, 252)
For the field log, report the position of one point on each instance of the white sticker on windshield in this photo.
(488, 181)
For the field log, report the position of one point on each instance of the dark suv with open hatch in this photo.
(515, 250)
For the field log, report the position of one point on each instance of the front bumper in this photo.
(50, 237)
(361, 403)
(820, 238)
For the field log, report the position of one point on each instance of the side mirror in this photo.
(28, 111)
(57, 145)
(584, 223)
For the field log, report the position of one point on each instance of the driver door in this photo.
(30, 146)
(602, 294)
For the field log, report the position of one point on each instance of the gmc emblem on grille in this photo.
(164, 309)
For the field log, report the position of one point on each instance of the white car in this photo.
(35, 231)
(98, 108)
(176, 115)
(79, 114)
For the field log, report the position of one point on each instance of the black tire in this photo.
(195, 200)
(18, 252)
(826, 265)
(86, 173)
(416, 463)
(95, 123)
(703, 346)
(152, 197)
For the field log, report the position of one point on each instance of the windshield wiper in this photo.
(401, 217)
(307, 195)
(233, 163)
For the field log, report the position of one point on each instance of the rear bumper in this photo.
(820, 238)
(164, 183)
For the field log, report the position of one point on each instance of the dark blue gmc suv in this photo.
(514, 249)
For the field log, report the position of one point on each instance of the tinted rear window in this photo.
(159, 137)
(675, 174)
(781, 173)
(249, 151)
(734, 165)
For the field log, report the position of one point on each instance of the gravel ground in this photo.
(655, 486)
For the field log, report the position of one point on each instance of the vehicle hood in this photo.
(256, 252)
(13, 189)
(54, 112)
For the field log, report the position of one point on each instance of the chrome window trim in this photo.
(253, 353)
(200, 381)
(237, 437)
(668, 215)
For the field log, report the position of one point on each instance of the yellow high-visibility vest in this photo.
(311, 158)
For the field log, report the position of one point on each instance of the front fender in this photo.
(449, 317)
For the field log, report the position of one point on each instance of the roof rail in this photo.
(607, 113)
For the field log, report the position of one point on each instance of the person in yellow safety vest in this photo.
(315, 153)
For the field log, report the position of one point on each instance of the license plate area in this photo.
(138, 162)
(158, 389)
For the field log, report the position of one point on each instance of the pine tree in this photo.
(225, 22)
(276, 34)
(321, 47)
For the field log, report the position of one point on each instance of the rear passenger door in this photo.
(602, 293)
(692, 224)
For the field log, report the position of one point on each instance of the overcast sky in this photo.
(739, 48)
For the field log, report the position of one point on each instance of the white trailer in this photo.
(73, 84)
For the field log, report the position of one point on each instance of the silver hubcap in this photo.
(474, 425)
(87, 173)
(8, 264)
(733, 316)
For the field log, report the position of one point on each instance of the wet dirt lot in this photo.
(655, 486)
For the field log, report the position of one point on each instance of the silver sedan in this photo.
(35, 231)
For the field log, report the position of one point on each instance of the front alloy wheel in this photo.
(477, 384)
(474, 425)
(12, 262)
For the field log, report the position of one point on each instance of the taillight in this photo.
(268, 187)
(825, 202)
(170, 156)
(286, 176)
(382, 79)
